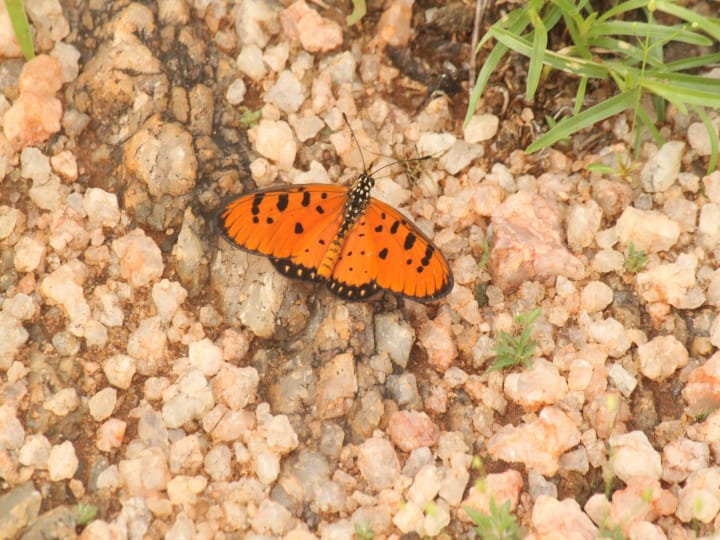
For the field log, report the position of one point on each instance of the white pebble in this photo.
(62, 462)
(102, 404)
(119, 370)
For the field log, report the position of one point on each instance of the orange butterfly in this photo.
(341, 236)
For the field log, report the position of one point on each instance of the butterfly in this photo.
(354, 243)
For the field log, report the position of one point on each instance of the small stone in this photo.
(64, 287)
(709, 225)
(236, 387)
(701, 390)
(184, 489)
(101, 207)
(288, 94)
(647, 230)
(336, 385)
(411, 429)
(437, 338)
(119, 370)
(622, 379)
(662, 169)
(217, 463)
(63, 402)
(35, 452)
(595, 296)
(62, 462)
(434, 144)
(235, 93)
(681, 457)
(700, 498)
(168, 296)
(271, 518)
(378, 463)
(140, 258)
(500, 487)
(661, 357)
(12, 432)
(672, 283)
(250, 62)
(394, 25)
(583, 223)
(315, 33)
(635, 457)
(482, 127)
(612, 335)
(12, 337)
(110, 434)
(102, 404)
(307, 127)
(205, 356)
(148, 345)
(561, 519)
(275, 141)
(533, 388)
(394, 336)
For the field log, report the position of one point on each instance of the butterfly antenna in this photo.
(400, 162)
(356, 140)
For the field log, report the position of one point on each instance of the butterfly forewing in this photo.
(294, 222)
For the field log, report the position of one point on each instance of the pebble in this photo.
(709, 225)
(612, 335)
(482, 127)
(250, 62)
(271, 518)
(36, 114)
(533, 388)
(673, 283)
(101, 208)
(435, 144)
(394, 25)
(336, 385)
(275, 141)
(64, 287)
(287, 93)
(110, 434)
(711, 183)
(20, 505)
(700, 392)
(145, 473)
(501, 487)
(315, 33)
(35, 452)
(622, 379)
(561, 519)
(662, 169)
(378, 463)
(62, 402)
(236, 387)
(12, 337)
(583, 224)
(683, 456)
(634, 457)
(102, 404)
(595, 296)
(119, 370)
(395, 337)
(411, 429)
(437, 339)
(648, 230)
(184, 490)
(140, 258)
(460, 155)
(527, 243)
(161, 155)
(404, 390)
(147, 344)
(255, 22)
(62, 462)
(235, 94)
(661, 357)
(553, 428)
(700, 497)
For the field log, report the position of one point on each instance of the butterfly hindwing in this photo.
(406, 261)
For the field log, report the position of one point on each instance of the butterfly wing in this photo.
(384, 250)
(293, 225)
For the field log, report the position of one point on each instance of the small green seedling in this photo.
(85, 513)
(363, 531)
(499, 524)
(249, 118)
(635, 261)
(21, 26)
(513, 350)
(359, 11)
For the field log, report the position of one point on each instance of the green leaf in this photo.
(21, 26)
(359, 11)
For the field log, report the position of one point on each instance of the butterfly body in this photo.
(342, 236)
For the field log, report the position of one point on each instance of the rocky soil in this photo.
(184, 389)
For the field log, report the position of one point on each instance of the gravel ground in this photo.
(184, 389)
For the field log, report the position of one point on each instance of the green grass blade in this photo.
(358, 12)
(708, 25)
(21, 26)
(576, 66)
(489, 66)
(622, 8)
(537, 56)
(712, 133)
(693, 62)
(568, 126)
(655, 32)
(679, 95)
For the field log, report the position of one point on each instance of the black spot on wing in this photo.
(409, 241)
(299, 228)
(383, 253)
(282, 202)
